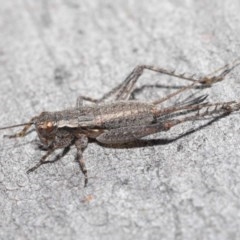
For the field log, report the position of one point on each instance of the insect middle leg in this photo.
(81, 143)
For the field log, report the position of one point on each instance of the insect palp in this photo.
(24, 130)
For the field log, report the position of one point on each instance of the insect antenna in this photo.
(17, 125)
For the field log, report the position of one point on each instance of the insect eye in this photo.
(49, 126)
(46, 127)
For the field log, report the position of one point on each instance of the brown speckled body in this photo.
(114, 119)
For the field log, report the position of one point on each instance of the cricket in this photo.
(116, 118)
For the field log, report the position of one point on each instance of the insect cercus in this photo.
(115, 119)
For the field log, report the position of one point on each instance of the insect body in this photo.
(115, 119)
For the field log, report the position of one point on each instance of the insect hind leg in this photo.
(125, 89)
(129, 134)
(207, 80)
(80, 99)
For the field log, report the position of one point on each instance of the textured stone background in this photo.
(52, 51)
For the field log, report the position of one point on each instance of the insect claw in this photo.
(34, 168)
(6, 136)
(31, 170)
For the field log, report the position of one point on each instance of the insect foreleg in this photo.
(44, 158)
(42, 161)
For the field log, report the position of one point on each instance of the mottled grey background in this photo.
(52, 51)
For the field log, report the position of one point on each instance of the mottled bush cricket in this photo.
(115, 119)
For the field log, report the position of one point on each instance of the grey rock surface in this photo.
(53, 51)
